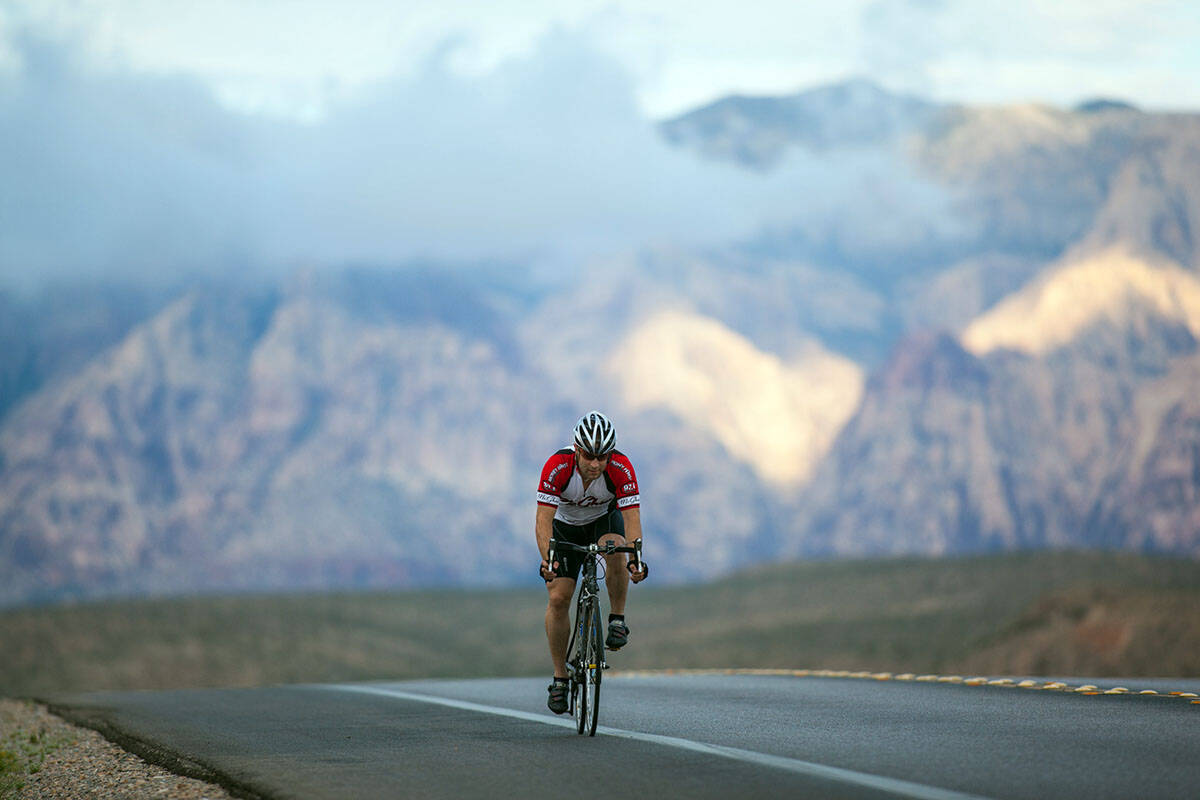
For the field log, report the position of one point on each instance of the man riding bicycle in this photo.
(588, 493)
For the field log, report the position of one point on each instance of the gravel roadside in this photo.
(42, 755)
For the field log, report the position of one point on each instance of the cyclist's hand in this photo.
(546, 572)
(636, 575)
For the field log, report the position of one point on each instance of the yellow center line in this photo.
(1087, 690)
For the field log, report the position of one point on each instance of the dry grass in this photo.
(1049, 613)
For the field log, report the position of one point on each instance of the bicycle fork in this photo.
(589, 598)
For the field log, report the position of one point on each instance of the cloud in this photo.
(102, 172)
(901, 40)
(545, 158)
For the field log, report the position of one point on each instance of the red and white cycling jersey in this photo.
(562, 487)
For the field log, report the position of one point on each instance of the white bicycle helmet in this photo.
(594, 434)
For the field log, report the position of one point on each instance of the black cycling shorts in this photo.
(570, 561)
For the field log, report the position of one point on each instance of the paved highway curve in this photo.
(688, 735)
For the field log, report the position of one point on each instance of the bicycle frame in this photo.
(588, 597)
(585, 648)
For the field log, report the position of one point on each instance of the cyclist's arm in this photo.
(544, 527)
(632, 517)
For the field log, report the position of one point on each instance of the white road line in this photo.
(893, 785)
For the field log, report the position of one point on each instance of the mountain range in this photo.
(975, 331)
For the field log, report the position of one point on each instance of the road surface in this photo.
(662, 735)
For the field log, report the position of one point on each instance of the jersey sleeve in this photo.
(555, 476)
(624, 480)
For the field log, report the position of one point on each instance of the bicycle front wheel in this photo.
(594, 665)
(577, 665)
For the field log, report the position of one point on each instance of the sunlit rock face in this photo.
(1114, 287)
(1066, 416)
(780, 417)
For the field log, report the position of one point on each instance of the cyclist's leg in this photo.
(561, 590)
(558, 622)
(616, 576)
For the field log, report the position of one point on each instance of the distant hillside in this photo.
(757, 131)
(60, 328)
(325, 439)
(1029, 441)
(1035, 381)
(956, 330)
(1028, 179)
(1083, 614)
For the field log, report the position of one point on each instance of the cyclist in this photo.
(588, 493)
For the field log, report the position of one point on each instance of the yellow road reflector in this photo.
(1089, 690)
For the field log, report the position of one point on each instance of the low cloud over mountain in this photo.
(545, 160)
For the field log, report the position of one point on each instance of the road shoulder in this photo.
(44, 755)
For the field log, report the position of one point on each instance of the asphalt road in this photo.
(693, 736)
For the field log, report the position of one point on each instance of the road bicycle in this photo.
(585, 651)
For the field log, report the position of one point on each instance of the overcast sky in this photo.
(174, 137)
(296, 56)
